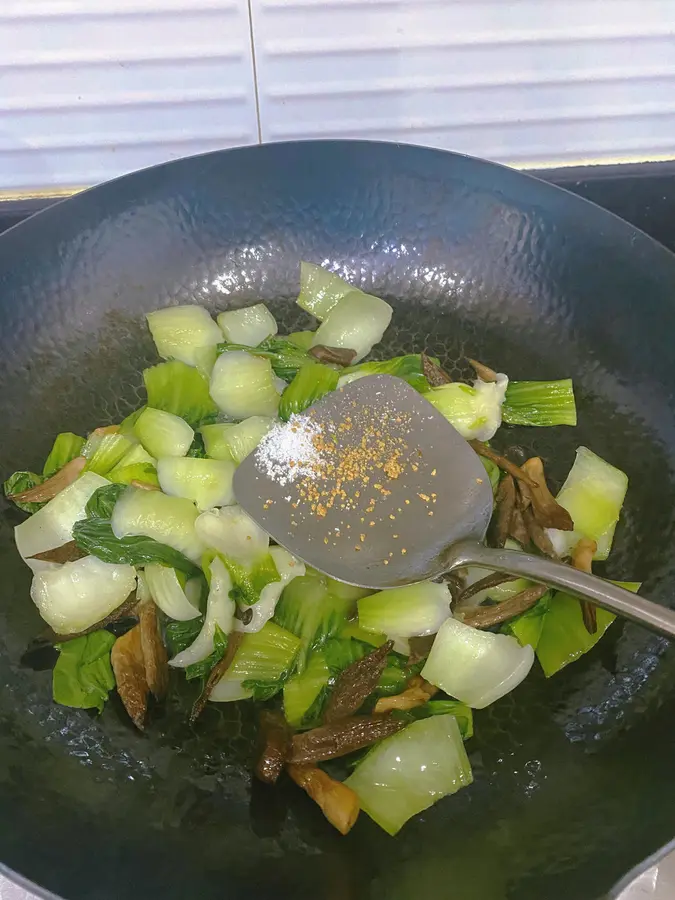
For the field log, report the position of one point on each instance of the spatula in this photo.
(374, 487)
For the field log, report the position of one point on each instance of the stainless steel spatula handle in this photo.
(587, 587)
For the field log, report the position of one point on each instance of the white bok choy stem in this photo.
(474, 666)
(288, 567)
(219, 611)
(52, 526)
(77, 595)
(165, 589)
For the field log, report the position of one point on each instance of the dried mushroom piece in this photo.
(233, 643)
(129, 668)
(505, 502)
(420, 647)
(276, 740)
(155, 658)
(54, 485)
(486, 616)
(485, 373)
(502, 462)
(548, 513)
(144, 486)
(340, 738)
(494, 579)
(582, 559)
(434, 374)
(69, 552)
(416, 693)
(338, 802)
(356, 683)
(338, 356)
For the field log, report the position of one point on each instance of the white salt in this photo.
(288, 450)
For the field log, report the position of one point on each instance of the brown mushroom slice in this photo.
(54, 485)
(485, 373)
(340, 738)
(582, 559)
(505, 464)
(494, 579)
(129, 668)
(69, 552)
(276, 738)
(547, 511)
(505, 502)
(357, 682)
(434, 374)
(338, 356)
(416, 693)
(420, 647)
(155, 656)
(233, 643)
(538, 535)
(338, 802)
(486, 616)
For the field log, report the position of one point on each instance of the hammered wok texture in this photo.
(573, 776)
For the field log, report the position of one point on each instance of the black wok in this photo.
(574, 779)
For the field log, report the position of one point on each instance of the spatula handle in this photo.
(580, 584)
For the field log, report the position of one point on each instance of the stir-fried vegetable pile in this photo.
(138, 523)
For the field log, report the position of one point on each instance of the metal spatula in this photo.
(373, 486)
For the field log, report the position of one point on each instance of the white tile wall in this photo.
(521, 81)
(90, 89)
(93, 88)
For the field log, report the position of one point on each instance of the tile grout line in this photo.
(255, 70)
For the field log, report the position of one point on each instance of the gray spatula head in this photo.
(371, 485)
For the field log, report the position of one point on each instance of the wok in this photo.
(573, 776)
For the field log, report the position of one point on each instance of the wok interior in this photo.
(573, 775)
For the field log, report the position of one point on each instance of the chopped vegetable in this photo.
(416, 609)
(102, 502)
(217, 672)
(166, 590)
(105, 452)
(244, 547)
(83, 676)
(475, 666)
(207, 482)
(357, 322)
(339, 803)
(312, 382)
(410, 368)
(135, 465)
(235, 442)
(79, 594)
(287, 567)
(260, 666)
(341, 737)
(129, 668)
(52, 525)
(285, 356)
(219, 612)
(301, 339)
(593, 494)
(250, 325)
(243, 385)
(180, 331)
(476, 412)
(462, 713)
(95, 536)
(320, 290)
(67, 446)
(177, 388)
(540, 403)
(302, 690)
(555, 629)
(162, 433)
(309, 610)
(410, 771)
(276, 740)
(167, 520)
(20, 482)
(42, 491)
